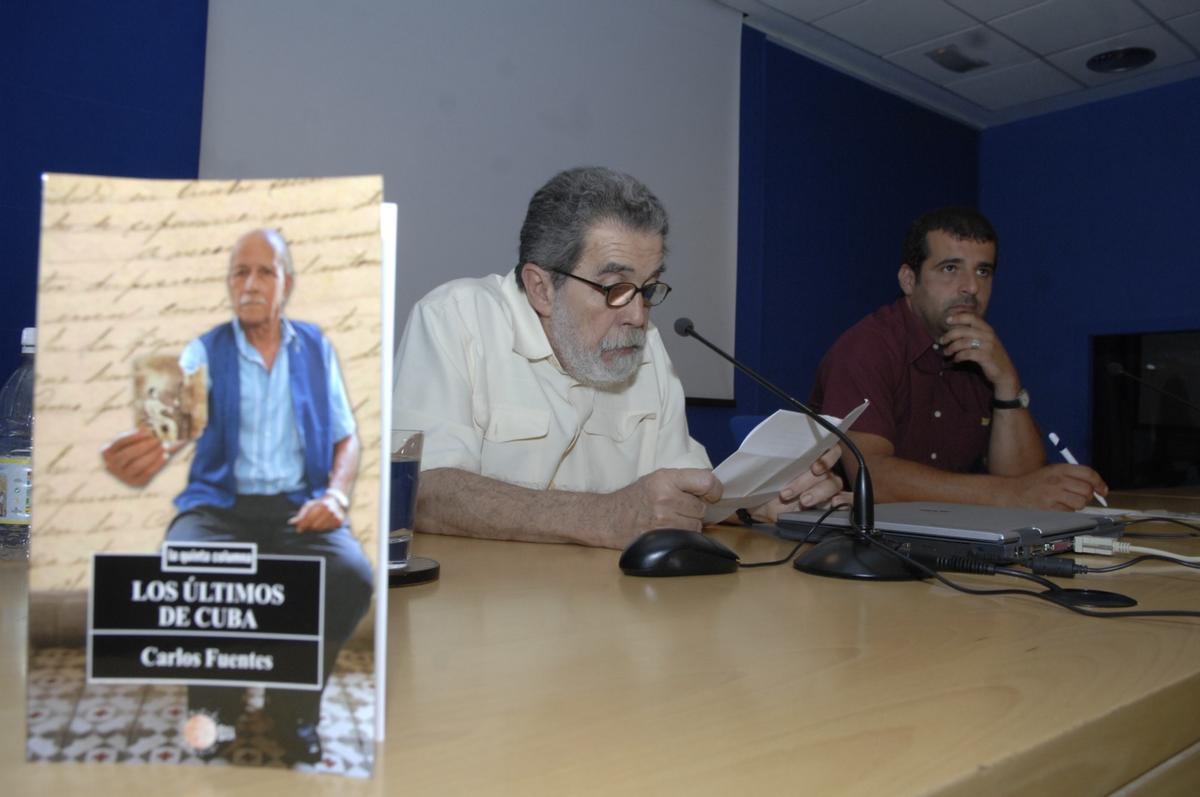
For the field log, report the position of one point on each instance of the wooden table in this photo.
(541, 669)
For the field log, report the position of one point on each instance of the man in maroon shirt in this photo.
(948, 420)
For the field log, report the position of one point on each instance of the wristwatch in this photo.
(1021, 402)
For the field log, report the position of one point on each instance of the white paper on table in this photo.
(1138, 514)
(776, 451)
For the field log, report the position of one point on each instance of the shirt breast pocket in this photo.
(618, 426)
(509, 424)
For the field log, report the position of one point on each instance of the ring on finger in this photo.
(976, 343)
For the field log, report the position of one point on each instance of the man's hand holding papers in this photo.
(782, 448)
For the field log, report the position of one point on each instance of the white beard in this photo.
(584, 363)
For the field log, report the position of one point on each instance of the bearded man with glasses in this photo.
(550, 408)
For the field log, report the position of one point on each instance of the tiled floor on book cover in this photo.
(71, 721)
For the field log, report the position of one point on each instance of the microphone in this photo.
(1114, 369)
(835, 555)
(863, 511)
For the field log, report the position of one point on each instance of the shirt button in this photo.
(936, 347)
(933, 455)
(937, 413)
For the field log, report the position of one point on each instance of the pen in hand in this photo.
(1070, 458)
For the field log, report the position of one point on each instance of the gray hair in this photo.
(571, 203)
(283, 255)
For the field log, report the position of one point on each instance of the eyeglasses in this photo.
(620, 294)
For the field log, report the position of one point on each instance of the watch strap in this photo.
(1020, 402)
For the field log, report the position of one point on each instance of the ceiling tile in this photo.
(990, 9)
(1168, 9)
(1188, 27)
(1170, 52)
(1061, 24)
(808, 10)
(1015, 85)
(979, 43)
(886, 26)
(860, 38)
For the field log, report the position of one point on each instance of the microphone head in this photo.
(684, 326)
(1115, 369)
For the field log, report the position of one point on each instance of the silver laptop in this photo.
(932, 529)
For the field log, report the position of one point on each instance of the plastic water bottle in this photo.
(16, 453)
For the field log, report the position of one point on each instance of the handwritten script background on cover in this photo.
(134, 267)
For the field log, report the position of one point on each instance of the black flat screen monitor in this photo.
(1146, 409)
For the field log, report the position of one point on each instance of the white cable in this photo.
(1106, 546)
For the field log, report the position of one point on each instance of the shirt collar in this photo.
(917, 340)
(251, 353)
(529, 338)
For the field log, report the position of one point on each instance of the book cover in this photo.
(205, 541)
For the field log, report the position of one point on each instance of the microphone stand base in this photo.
(843, 556)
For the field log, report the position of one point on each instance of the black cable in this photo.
(1046, 596)
(1066, 567)
(792, 554)
(967, 564)
(1045, 582)
(1138, 559)
(1193, 530)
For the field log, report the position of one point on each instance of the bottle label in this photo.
(15, 492)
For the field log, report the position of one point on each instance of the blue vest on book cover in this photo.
(211, 481)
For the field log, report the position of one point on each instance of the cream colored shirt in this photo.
(476, 373)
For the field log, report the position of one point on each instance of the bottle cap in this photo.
(28, 340)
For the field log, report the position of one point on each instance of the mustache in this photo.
(966, 301)
(629, 338)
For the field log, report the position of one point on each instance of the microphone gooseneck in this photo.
(862, 514)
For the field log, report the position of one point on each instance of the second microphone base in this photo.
(843, 556)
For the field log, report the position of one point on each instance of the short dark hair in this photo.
(571, 203)
(961, 222)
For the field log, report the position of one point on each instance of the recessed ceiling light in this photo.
(1122, 60)
(950, 57)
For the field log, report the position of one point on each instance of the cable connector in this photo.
(1055, 566)
(1103, 546)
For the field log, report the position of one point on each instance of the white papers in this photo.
(776, 451)
(1139, 514)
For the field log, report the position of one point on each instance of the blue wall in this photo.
(832, 173)
(92, 86)
(1098, 209)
